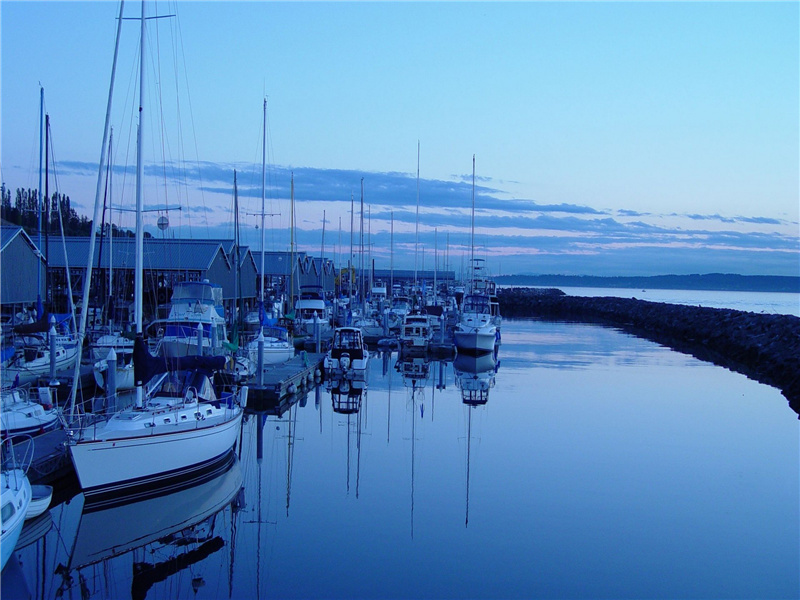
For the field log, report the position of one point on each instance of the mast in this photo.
(93, 236)
(361, 246)
(291, 249)
(391, 257)
(472, 230)
(416, 227)
(322, 257)
(46, 207)
(263, 198)
(237, 273)
(352, 258)
(39, 308)
(139, 273)
(110, 301)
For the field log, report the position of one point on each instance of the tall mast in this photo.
(472, 233)
(39, 311)
(416, 227)
(322, 256)
(138, 284)
(352, 258)
(45, 205)
(291, 249)
(391, 256)
(97, 208)
(361, 245)
(110, 299)
(263, 193)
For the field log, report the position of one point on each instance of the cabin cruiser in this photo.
(195, 325)
(476, 331)
(348, 356)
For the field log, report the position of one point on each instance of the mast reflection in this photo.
(475, 376)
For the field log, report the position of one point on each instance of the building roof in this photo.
(9, 232)
(159, 254)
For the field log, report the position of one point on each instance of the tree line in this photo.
(24, 211)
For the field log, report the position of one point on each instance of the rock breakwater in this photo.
(764, 347)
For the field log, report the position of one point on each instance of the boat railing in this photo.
(10, 454)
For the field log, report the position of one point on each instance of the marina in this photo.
(319, 374)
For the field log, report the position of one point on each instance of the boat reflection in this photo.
(346, 395)
(415, 370)
(148, 541)
(475, 376)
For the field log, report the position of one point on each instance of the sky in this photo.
(624, 138)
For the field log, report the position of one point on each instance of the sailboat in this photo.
(273, 342)
(15, 497)
(186, 424)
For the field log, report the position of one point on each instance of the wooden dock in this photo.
(286, 378)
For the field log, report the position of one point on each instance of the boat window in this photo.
(8, 511)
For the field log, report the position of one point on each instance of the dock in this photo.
(286, 378)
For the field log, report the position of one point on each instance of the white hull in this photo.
(119, 463)
(475, 340)
(29, 372)
(124, 375)
(22, 416)
(15, 493)
(41, 495)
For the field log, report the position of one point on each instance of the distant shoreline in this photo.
(710, 281)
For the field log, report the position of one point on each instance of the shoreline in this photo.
(763, 347)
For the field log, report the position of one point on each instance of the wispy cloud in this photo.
(522, 234)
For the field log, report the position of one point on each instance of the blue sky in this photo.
(610, 138)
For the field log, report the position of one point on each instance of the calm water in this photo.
(600, 466)
(766, 302)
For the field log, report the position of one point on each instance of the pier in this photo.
(764, 347)
(286, 378)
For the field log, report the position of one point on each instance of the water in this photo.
(760, 302)
(600, 466)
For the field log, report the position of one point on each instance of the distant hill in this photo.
(710, 281)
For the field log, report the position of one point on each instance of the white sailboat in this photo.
(185, 425)
(15, 498)
(273, 342)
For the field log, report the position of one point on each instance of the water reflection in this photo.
(475, 376)
(147, 541)
(668, 464)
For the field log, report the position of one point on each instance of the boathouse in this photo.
(20, 264)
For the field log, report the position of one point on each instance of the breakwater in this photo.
(764, 347)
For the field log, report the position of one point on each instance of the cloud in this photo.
(568, 237)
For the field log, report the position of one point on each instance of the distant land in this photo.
(709, 281)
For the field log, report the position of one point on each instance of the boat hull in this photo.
(140, 463)
(16, 491)
(475, 341)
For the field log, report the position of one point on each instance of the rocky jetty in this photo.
(764, 347)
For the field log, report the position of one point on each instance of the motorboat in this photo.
(476, 331)
(348, 356)
(416, 332)
(195, 325)
(311, 312)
